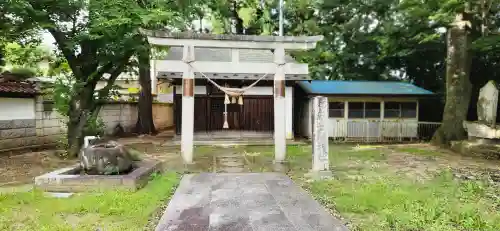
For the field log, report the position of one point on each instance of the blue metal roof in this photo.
(335, 87)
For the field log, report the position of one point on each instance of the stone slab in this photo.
(244, 202)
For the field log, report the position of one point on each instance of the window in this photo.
(360, 110)
(400, 110)
(409, 110)
(372, 110)
(336, 109)
(356, 110)
(391, 110)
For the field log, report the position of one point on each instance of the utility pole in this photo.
(281, 18)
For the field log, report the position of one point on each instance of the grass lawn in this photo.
(114, 210)
(400, 188)
(412, 187)
(408, 188)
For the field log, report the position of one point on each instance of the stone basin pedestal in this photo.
(484, 141)
(476, 130)
(70, 180)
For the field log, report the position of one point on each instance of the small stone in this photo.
(58, 195)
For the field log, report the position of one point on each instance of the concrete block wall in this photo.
(124, 114)
(163, 115)
(17, 133)
(48, 126)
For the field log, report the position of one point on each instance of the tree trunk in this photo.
(145, 124)
(76, 124)
(75, 137)
(458, 86)
(80, 109)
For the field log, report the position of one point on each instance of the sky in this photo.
(48, 40)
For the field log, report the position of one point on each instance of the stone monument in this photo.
(484, 135)
(485, 127)
(487, 104)
(319, 122)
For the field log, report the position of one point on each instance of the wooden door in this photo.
(200, 114)
(256, 114)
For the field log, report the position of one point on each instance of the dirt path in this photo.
(22, 168)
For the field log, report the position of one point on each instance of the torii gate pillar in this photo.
(191, 40)
(279, 106)
(187, 126)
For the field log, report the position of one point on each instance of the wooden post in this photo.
(279, 106)
(187, 128)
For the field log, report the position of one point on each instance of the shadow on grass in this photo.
(112, 210)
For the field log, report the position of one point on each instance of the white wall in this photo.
(306, 118)
(17, 108)
(197, 90)
(260, 91)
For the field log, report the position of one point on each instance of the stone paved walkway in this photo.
(244, 202)
(229, 162)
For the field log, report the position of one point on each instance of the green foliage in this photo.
(252, 17)
(389, 40)
(59, 68)
(96, 40)
(112, 210)
(22, 73)
(94, 127)
(28, 56)
(61, 92)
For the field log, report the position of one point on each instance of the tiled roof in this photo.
(17, 87)
(332, 87)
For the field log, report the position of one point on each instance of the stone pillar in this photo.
(320, 165)
(187, 127)
(279, 106)
(154, 78)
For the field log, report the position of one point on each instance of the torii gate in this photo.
(188, 40)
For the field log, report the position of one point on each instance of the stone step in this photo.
(232, 164)
(232, 170)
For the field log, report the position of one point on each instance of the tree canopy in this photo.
(364, 40)
(97, 39)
